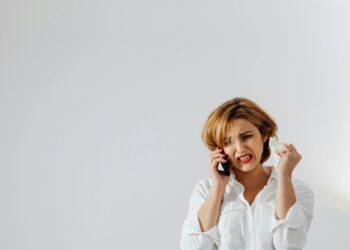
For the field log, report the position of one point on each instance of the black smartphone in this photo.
(226, 166)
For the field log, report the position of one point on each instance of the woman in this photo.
(255, 207)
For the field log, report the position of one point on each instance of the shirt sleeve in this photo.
(192, 238)
(290, 233)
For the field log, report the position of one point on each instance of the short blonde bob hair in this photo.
(221, 119)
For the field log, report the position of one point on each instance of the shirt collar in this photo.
(233, 183)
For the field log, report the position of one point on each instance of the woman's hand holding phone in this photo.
(219, 180)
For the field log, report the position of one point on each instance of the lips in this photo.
(245, 161)
(242, 156)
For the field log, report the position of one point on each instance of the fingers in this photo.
(217, 160)
(218, 154)
(286, 148)
(289, 147)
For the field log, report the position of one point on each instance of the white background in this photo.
(102, 104)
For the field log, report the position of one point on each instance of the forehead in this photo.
(238, 126)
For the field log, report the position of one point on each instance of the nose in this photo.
(238, 147)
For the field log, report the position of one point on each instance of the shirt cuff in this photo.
(294, 218)
(192, 227)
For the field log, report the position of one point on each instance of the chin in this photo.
(249, 168)
(246, 168)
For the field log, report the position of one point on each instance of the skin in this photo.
(252, 175)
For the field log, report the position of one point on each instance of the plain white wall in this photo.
(102, 104)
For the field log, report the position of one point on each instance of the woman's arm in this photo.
(290, 232)
(293, 213)
(285, 196)
(209, 212)
(200, 232)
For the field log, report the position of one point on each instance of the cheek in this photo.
(258, 147)
(227, 150)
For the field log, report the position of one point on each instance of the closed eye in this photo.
(246, 136)
(228, 141)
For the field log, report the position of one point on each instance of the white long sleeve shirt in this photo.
(244, 227)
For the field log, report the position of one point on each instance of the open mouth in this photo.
(245, 158)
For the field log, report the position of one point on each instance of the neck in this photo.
(254, 179)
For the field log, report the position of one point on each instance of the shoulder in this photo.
(203, 183)
(202, 187)
(199, 194)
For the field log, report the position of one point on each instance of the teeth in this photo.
(245, 158)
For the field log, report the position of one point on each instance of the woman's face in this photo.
(243, 139)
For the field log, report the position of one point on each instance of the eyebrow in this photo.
(246, 132)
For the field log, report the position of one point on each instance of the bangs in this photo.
(223, 129)
(221, 122)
